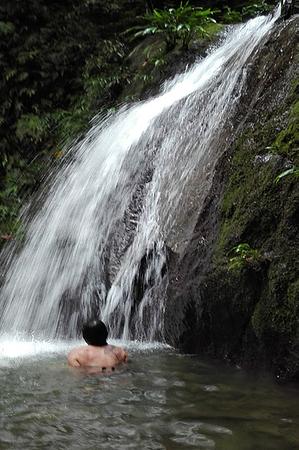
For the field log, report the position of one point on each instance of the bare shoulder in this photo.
(75, 356)
(120, 353)
(74, 352)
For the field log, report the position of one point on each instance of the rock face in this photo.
(249, 314)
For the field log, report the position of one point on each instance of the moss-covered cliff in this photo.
(246, 309)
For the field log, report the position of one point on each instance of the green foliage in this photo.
(17, 178)
(294, 171)
(243, 255)
(60, 64)
(255, 9)
(9, 206)
(32, 126)
(180, 24)
(103, 77)
(230, 15)
(6, 28)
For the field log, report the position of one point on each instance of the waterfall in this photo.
(124, 198)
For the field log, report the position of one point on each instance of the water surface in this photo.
(160, 400)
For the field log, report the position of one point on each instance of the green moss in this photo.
(287, 141)
(274, 320)
(252, 205)
(293, 292)
(240, 208)
(264, 214)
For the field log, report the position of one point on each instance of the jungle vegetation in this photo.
(63, 62)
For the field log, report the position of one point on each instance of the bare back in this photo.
(105, 357)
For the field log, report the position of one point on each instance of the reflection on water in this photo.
(161, 400)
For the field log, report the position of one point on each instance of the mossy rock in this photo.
(248, 315)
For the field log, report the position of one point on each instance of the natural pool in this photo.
(161, 400)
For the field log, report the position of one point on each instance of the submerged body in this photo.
(104, 357)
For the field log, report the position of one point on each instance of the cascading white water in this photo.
(121, 197)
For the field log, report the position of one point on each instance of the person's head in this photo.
(95, 333)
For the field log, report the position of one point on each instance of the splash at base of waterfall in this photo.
(14, 350)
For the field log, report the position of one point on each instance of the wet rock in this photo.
(248, 316)
(274, 160)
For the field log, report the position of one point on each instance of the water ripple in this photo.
(157, 402)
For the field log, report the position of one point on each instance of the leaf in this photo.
(131, 29)
(241, 248)
(23, 76)
(32, 126)
(10, 74)
(6, 28)
(293, 171)
(157, 13)
(177, 24)
(150, 30)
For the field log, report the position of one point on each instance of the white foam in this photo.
(20, 348)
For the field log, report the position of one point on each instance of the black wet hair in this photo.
(95, 333)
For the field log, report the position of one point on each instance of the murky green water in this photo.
(161, 400)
